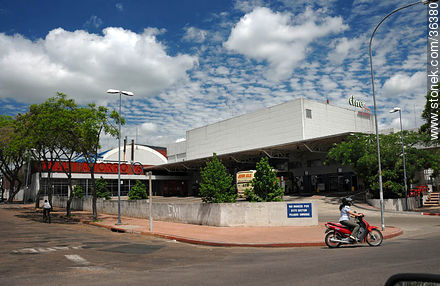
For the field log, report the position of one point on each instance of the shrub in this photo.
(78, 192)
(216, 185)
(138, 191)
(101, 189)
(265, 184)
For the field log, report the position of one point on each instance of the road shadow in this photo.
(55, 217)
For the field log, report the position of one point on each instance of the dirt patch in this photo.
(56, 216)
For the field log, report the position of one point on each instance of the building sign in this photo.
(299, 210)
(245, 176)
(356, 103)
(100, 168)
(366, 112)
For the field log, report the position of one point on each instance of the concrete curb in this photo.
(225, 244)
(434, 214)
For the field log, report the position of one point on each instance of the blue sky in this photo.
(191, 63)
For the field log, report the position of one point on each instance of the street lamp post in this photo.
(374, 102)
(403, 153)
(128, 93)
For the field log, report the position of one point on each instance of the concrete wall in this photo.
(237, 214)
(396, 204)
(271, 126)
(329, 119)
(177, 151)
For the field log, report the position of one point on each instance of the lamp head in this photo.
(129, 93)
(113, 91)
(395, 109)
(124, 92)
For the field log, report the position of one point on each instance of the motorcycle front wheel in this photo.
(374, 238)
(329, 242)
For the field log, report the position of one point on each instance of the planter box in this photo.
(231, 214)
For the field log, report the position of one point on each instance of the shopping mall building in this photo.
(295, 136)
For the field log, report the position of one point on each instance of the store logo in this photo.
(366, 112)
(356, 103)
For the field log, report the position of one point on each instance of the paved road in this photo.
(75, 254)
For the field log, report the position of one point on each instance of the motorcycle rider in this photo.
(346, 213)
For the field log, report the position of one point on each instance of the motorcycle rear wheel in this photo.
(329, 243)
(374, 237)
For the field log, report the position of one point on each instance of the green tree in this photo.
(50, 129)
(265, 187)
(138, 191)
(359, 151)
(13, 153)
(216, 185)
(67, 141)
(101, 189)
(45, 127)
(93, 122)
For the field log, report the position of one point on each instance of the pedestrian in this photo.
(46, 211)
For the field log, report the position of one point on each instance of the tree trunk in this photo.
(15, 188)
(37, 199)
(37, 196)
(50, 193)
(11, 191)
(95, 212)
(69, 200)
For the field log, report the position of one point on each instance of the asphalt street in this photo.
(64, 253)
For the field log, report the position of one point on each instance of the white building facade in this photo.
(294, 121)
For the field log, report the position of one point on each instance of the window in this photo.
(308, 113)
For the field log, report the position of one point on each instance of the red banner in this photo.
(100, 168)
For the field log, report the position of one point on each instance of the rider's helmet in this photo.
(347, 201)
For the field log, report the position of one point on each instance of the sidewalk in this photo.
(287, 236)
(299, 236)
(433, 211)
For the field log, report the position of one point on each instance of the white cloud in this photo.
(345, 48)
(94, 21)
(281, 39)
(247, 5)
(119, 6)
(196, 35)
(84, 65)
(149, 127)
(328, 84)
(402, 84)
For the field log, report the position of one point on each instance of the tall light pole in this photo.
(128, 93)
(374, 102)
(403, 153)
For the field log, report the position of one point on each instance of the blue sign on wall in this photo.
(299, 210)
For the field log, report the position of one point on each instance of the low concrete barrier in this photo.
(396, 204)
(231, 214)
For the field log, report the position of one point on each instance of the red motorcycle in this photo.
(337, 234)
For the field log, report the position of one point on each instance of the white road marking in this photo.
(44, 250)
(48, 249)
(26, 250)
(77, 259)
(61, 248)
